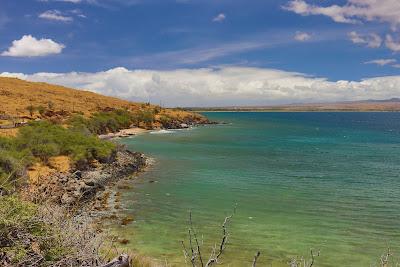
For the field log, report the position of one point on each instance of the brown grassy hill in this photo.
(16, 95)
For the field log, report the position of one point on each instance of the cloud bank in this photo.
(221, 86)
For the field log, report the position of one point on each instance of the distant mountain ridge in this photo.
(392, 104)
(394, 99)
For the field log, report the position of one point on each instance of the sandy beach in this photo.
(124, 133)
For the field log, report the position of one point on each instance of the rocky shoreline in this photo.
(79, 189)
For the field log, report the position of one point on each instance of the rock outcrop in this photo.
(80, 187)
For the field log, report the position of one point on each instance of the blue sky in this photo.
(358, 41)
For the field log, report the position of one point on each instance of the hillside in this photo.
(16, 95)
(366, 105)
(22, 101)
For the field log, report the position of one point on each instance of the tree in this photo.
(50, 105)
(31, 110)
(147, 117)
(41, 110)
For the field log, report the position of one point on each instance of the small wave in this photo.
(162, 132)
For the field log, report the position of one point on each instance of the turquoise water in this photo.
(327, 181)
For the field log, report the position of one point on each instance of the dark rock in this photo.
(91, 182)
(78, 174)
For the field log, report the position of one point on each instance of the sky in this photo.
(207, 52)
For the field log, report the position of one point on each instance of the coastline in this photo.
(86, 195)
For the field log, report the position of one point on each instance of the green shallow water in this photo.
(327, 181)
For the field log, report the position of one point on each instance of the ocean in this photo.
(327, 181)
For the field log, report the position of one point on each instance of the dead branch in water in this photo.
(385, 258)
(214, 257)
(193, 251)
(256, 258)
(303, 262)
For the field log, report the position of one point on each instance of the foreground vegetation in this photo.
(32, 235)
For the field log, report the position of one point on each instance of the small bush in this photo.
(13, 162)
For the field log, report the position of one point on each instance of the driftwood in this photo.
(122, 260)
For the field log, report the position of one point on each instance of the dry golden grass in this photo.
(8, 132)
(37, 172)
(60, 163)
(16, 95)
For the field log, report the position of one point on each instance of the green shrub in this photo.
(165, 120)
(105, 122)
(147, 116)
(15, 213)
(41, 110)
(43, 140)
(13, 162)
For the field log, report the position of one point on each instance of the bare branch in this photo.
(313, 257)
(385, 258)
(198, 253)
(256, 258)
(294, 262)
(185, 252)
(224, 240)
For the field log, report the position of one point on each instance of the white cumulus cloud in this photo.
(221, 86)
(29, 46)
